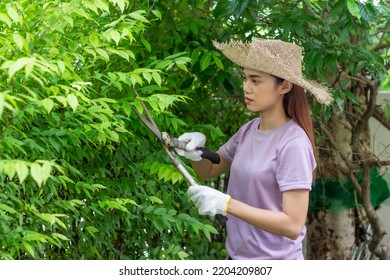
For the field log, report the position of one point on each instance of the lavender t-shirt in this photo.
(264, 164)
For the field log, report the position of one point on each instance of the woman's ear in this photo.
(286, 87)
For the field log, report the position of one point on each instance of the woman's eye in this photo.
(253, 81)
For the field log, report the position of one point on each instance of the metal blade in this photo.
(152, 127)
(146, 110)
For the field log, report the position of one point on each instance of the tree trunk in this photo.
(346, 153)
(330, 235)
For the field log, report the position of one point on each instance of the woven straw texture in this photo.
(275, 57)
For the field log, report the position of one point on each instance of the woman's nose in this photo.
(246, 87)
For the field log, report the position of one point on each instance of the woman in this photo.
(270, 159)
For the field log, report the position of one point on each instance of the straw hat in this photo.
(275, 57)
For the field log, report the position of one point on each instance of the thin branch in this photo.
(354, 181)
(356, 79)
(356, 117)
(381, 46)
(365, 185)
(368, 113)
(202, 10)
(337, 78)
(379, 115)
(339, 150)
(373, 161)
(384, 151)
(384, 163)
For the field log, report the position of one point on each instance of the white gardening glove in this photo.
(195, 140)
(208, 200)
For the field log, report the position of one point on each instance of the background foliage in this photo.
(81, 178)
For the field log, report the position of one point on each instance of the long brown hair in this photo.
(297, 107)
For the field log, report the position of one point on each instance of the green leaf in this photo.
(61, 66)
(353, 8)
(21, 170)
(51, 219)
(157, 14)
(146, 44)
(138, 15)
(28, 248)
(60, 223)
(17, 65)
(205, 61)
(160, 211)
(351, 96)
(344, 35)
(29, 66)
(158, 226)
(114, 34)
(19, 40)
(2, 103)
(8, 167)
(147, 76)
(114, 136)
(48, 104)
(121, 4)
(182, 255)
(103, 54)
(30, 235)
(36, 173)
(368, 13)
(46, 170)
(121, 53)
(62, 100)
(7, 208)
(4, 18)
(101, 5)
(13, 14)
(211, 229)
(60, 236)
(72, 101)
(155, 199)
(92, 230)
(157, 78)
(195, 54)
(218, 62)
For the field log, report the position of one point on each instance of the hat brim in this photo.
(237, 52)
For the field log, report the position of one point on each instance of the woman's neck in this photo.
(272, 120)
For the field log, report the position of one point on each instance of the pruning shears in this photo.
(169, 143)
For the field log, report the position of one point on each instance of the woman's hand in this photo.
(194, 140)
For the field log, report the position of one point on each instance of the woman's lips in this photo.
(247, 100)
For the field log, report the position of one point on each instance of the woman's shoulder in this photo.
(293, 134)
(253, 123)
(249, 125)
(244, 129)
(293, 129)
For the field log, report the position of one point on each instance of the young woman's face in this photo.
(261, 90)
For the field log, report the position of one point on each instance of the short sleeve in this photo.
(228, 150)
(296, 164)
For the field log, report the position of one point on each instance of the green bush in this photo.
(81, 177)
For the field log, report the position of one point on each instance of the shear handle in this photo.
(176, 162)
(211, 156)
(207, 154)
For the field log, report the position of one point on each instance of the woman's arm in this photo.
(206, 170)
(288, 223)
